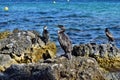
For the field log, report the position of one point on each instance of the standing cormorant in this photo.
(65, 42)
(45, 35)
(109, 35)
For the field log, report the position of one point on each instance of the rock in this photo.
(6, 61)
(113, 76)
(107, 56)
(24, 55)
(94, 50)
(42, 72)
(4, 34)
(37, 53)
(62, 69)
(109, 64)
(32, 35)
(23, 47)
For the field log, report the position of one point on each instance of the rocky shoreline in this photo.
(24, 55)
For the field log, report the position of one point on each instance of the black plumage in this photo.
(46, 55)
(109, 35)
(45, 35)
(64, 41)
(34, 41)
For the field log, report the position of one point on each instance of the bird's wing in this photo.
(65, 42)
(109, 34)
(68, 43)
(45, 33)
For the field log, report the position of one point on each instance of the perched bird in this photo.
(65, 42)
(109, 35)
(45, 35)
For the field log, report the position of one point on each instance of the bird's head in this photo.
(45, 27)
(62, 28)
(106, 30)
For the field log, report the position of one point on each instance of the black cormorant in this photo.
(109, 35)
(65, 42)
(45, 35)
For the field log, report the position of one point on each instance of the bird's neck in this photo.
(61, 31)
(45, 30)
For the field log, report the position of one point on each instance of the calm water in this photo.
(84, 22)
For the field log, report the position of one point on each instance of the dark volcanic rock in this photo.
(95, 50)
(61, 69)
(107, 56)
(42, 73)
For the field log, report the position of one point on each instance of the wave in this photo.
(76, 16)
(3, 23)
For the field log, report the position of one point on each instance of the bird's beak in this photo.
(57, 26)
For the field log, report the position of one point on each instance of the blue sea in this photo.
(84, 21)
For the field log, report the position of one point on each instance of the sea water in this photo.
(84, 21)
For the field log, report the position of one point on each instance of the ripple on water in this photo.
(2, 24)
(73, 29)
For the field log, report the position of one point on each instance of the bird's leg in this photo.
(112, 43)
(69, 56)
(109, 42)
(69, 62)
